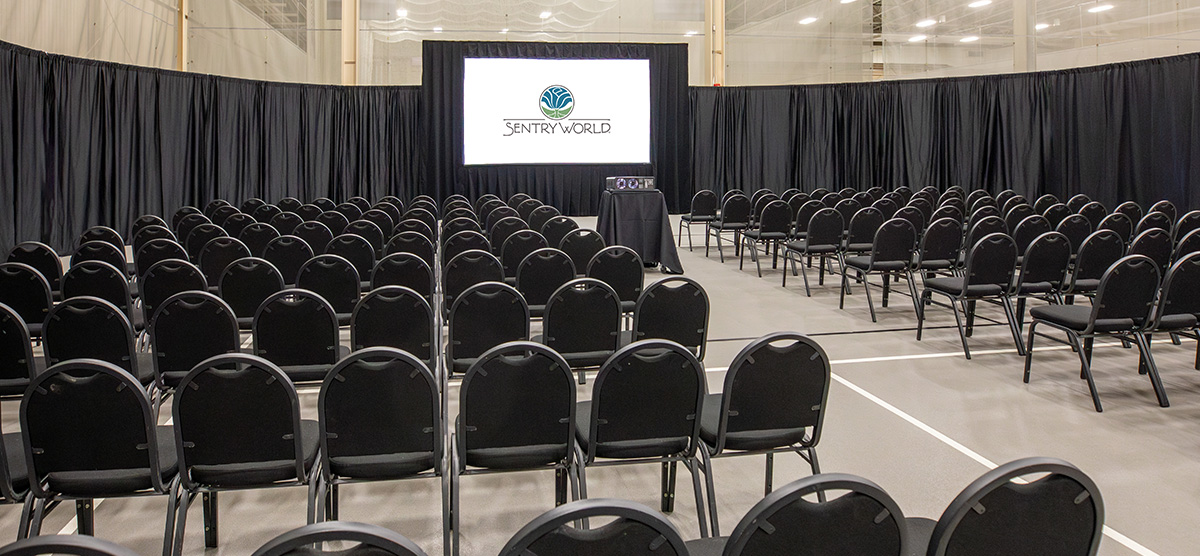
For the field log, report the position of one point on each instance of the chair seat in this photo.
(864, 262)
(766, 439)
(15, 386)
(935, 264)
(115, 482)
(920, 532)
(307, 373)
(1184, 321)
(1086, 285)
(858, 247)
(1036, 288)
(1075, 317)
(698, 217)
(249, 474)
(583, 359)
(516, 457)
(728, 226)
(953, 286)
(381, 466)
(636, 448)
(15, 452)
(759, 235)
(711, 546)
(35, 329)
(804, 247)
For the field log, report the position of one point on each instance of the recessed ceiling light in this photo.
(504, 31)
(545, 15)
(979, 3)
(917, 38)
(691, 33)
(402, 12)
(807, 20)
(437, 29)
(1041, 26)
(1100, 8)
(847, 1)
(971, 38)
(926, 23)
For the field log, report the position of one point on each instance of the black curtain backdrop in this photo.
(1116, 132)
(574, 189)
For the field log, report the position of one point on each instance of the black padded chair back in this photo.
(519, 245)
(286, 222)
(99, 279)
(459, 224)
(252, 203)
(1056, 213)
(199, 237)
(1119, 223)
(462, 211)
(804, 215)
(288, 254)
(636, 531)
(144, 221)
(646, 401)
(1156, 244)
(730, 193)
(582, 322)
(757, 195)
(1030, 229)
(581, 245)
(862, 227)
(1186, 224)
(369, 231)
(992, 261)
(849, 207)
(70, 545)
(246, 283)
(913, 215)
(1060, 513)
(1077, 228)
(265, 213)
(621, 268)
(1187, 245)
(1094, 212)
(26, 292)
(88, 429)
(500, 231)
(984, 212)
(1044, 202)
(467, 269)
(484, 316)
(1178, 306)
(294, 328)
(102, 233)
(1166, 207)
(315, 234)
(1125, 297)
(1099, 251)
(217, 254)
(289, 204)
(381, 219)
(16, 357)
(188, 328)
(395, 317)
(1130, 209)
(309, 212)
(1078, 201)
(775, 394)
(556, 228)
(984, 201)
(188, 223)
(1045, 263)
(894, 242)
(416, 225)
(404, 269)
(516, 408)
(372, 540)
(1013, 202)
(90, 328)
(1013, 216)
(760, 201)
(99, 251)
(864, 521)
(498, 214)
(392, 206)
(736, 209)
(325, 203)
(921, 203)
(462, 242)
(984, 227)
(485, 205)
(335, 221)
(941, 244)
(333, 278)
(1154, 220)
(350, 211)
(825, 229)
(947, 211)
(361, 202)
(40, 257)
(674, 309)
(214, 205)
(538, 218)
(357, 250)
(541, 273)
(887, 206)
(143, 236)
(704, 203)
(211, 409)
(1003, 196)
(257, 236)
(526, 207)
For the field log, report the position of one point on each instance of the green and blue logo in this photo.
(557, 102)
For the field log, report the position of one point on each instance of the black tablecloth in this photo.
(637, 219)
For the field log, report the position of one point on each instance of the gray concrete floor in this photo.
(915, 417)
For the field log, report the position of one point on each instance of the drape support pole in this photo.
(1024, 39)
(350, 42)
(181, 36)
(714, 15)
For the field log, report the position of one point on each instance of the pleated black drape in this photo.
(575, 188)
(85, 143)
(1115, 132)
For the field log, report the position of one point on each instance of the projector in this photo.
(621, 183)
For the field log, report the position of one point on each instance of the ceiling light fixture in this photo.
(691, 33)
(847, 1)
(979, 3)
(437, 29)
(807, 20)
(545, 15)
(401, 13)
(1041, 26)
(971, 38)
(926, 23)
(917, 38)
(504, 31)
(1100, 8)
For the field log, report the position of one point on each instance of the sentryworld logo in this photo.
(556, 104)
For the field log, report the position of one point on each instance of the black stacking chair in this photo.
(516, 412)
(214, 205)
(987, 275)
(1166, 207)
(1094, 212)
(289, 204)
(1185, 225)
(502, 230)
(758, 202)
(186, 329)
(886, 206)
(144, 236)
(426, 205)
(103, 281)
(702, 211)
(1187, 245)
(674, 309)
(381, 219)
(335, 221)
(459, 224)
(940, 248)
(70, 545)
(643, 410)
(540, 274)
(773, 224)
(498, 214)
(621, 268)
(425, 217)
(298, 331)
(581, 245)
(393, 207)
(485, 205)
(245, 284)
(188, 223)
(91, 328)
(358, 251)
(1044, 272)
(381, 420)
(252, 203)
(849, 207)
(217, 451)
(467, 269)
(482, 317)
(199, 237)
(860, 233)
(89, 432)
(145, 221)
(1154, 243)
(864, 521)
(538, 218)
(1014, 202)
(309, 212)
(773, 401)
(42, 258)
(99, 251)
(1119, 223)
(913, 215)
(1003, 196)
(222, 214)
(1029, 230)
(891, 255)
(462, 242)
(265, 213)
(462, 211)
(823, 238)
(556, 228)
(985, 212)
(1044, 202)
(351, 211)
(257, 237)
(526, 207)
(1122, 307)
(102, 233)
(1014, 215)
(519, 245)
(1058, 212)
(803, 215)
(1178, 308)
(636, 531)
(371, 540)
(288, 254)
(334, 279)
(582, 322)
(979, 203)
(946, 211)
(367, 230)
(407, 270)
(1130, 209)
(396, 317)
(1061, 512)
(418, 226)
(1099, 251)
(1077, 229)
(734, 218)
(362, 203)
(17, 367)
(24, 290)
(315, 234)
(1078, 201)
(217, 254)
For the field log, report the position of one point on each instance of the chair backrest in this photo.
(1094, 212)
(1188, 244)
(1059, 513)
(485, 205)
(1156, 244)
(674, 309)
(88, 416)
(102, 233)
(1125, 298)
(646, 401)
(775, 394)
(199, 237)
(246, 283)
(188, 328)
(381, 219)
(404, 269)
(372, 540)
(1154, 220)
(361, 202)
(458, 224)
(264, 213)
(804, 215)
(467, 269)
(315, 234)
(309, 212)
(759, 194)
(913, 215)
(289, 203)
(887, 206)
(369, 231)
(257, 237)
(350, 210)
(539, 216)
(333, 278)
(849, 207)
(358, 251)
(462, 242)
(335, 221)
(70, 545)
(25, 291)
(1044, 202)
(500, 231)
(556, 228)
(144, 221)
(518, 245)
(1185, 225)
(286, 222)
(518, 198)
(1077, 228)
(526, 207)
(16, 353)
(1030, 229)
(296, 327)
(1003, 196)
(983, 227)
(1046, 261)
(1166, 207)
(498, 214)
(395, 317)
(1119, 223)
(1014, 215)
(583, 316)
(1057, 212)
(98, 251)
(921, 203)
(730, 193)
(1013, 202)
(1130, 209)
(484, 316)
(288, 254)
(414, 224)
(1178, 304)
(621, 268)
(211, 409)
(1078, 201)
(863, 225)
(516, 395)
(941, 242)
(736, 210)
(217, 254)
(189, 222)
(704, 203)
(894, 241)
(581, 245)
(213, 205)
(379, 401)
(947, 211)
(154, 251)
(825, 228)
(89, 328)
(98, 279)
(42, 258)
(1099, 251)
(636, 531)
(991, 261)
(864, 521)
(542, 272)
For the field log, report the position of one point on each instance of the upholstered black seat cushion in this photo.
(1075, 317)
(803, 246)
(1178, 322)
(636, 448)
(101, 483)
(381, 466)
(516, 457)
(711, 546)
(953, 286)
(722, 225)
(233, 475)
(700, 218)
(864, 263)
(710, 422)
(765, 236)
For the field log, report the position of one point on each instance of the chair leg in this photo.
(1143, 368)
(1152, 369)
(742, 255)
(26, 512)
(581, 470)
(1085, 361)
(867, 290)
(1020, 314)
(680, 233)
(185, 500)
(787, 256)
(912, 291)
(1029, 349)
(843, 286)
(455, 508)
(754, 254)
(962, 333)
(39, 513)
(445, 476)
(720, 251)
(920, 306)
(769, 474)
(969, 312)
(172, 508)
(582, 377)
(668, 487)
(693, 469)
(211, 533)
(706, 460)
(85, 516)
(1088, 344)
(887, 288)
(333, 502)
(1012, 324)
(816, 469)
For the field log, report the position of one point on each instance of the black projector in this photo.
(621, 183)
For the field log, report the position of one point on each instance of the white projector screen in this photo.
(542, 111)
